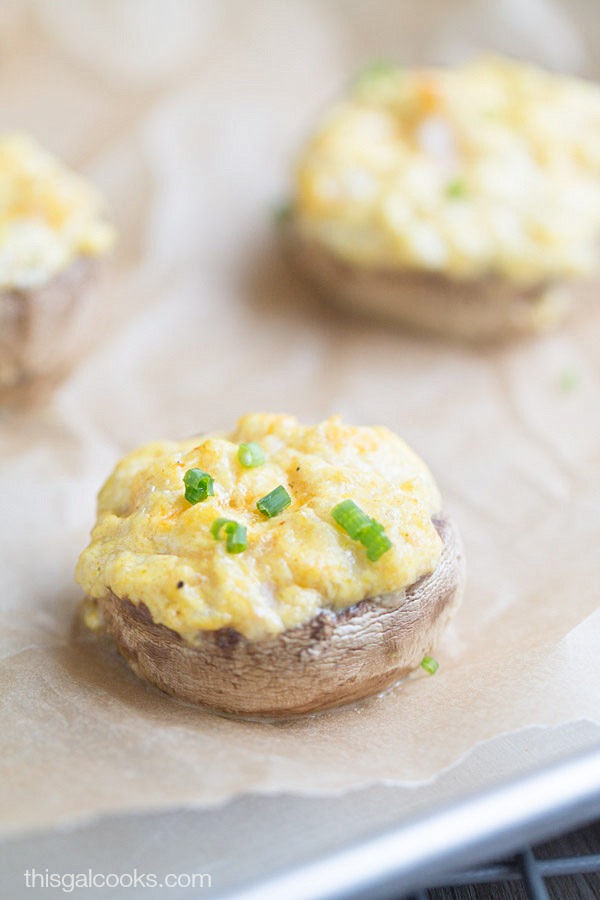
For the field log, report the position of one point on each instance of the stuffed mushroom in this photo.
(462, 201)
(53, 236)
(277, 570)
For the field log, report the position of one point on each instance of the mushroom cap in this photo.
(484, 309)
(334, 659)
(44, 330)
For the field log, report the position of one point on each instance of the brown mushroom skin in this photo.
(335, 659)
(483, 310)
(44, 330)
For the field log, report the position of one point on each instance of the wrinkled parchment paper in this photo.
(188, 115)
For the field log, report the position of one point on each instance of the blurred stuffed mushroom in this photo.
(53, 239)
(462, 201)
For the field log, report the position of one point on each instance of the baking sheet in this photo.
(193, 147)
(252, 838)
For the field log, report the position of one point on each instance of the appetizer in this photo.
(278, 570)
(463, 201)
(52, 236)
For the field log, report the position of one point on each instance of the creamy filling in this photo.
(151, 545)
(488, 168)
(48, 215)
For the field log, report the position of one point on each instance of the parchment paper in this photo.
(188, 114)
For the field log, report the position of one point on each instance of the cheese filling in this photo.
(48, 215)
(488, 168)
(151, 545)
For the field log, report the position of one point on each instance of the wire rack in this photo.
(419, 854)
(554, 870)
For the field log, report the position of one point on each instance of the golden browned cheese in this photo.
(487, 168)
(49, 216)
(152, 546)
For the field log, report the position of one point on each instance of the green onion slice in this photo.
(274, 503)
(430, 665)
(236, 534)
(351, 518)
(568, 380)
(375, 70)
(363, 528)
(456, 189)
(198, 485)
(282, 212)
(375, 541)
(251, 455)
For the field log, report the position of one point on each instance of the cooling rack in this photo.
(533, 870)
(452, 843)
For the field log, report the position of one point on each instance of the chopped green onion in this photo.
(430, 665)
(275, 502)
(379, 68)
(251, 455)
(215, 528)
(568, 380)
(236, 538)
(363, 528)
(456, 189)
(236, 534)
(198, 485)
(282, 213)
(375, 541)
(351, 518)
